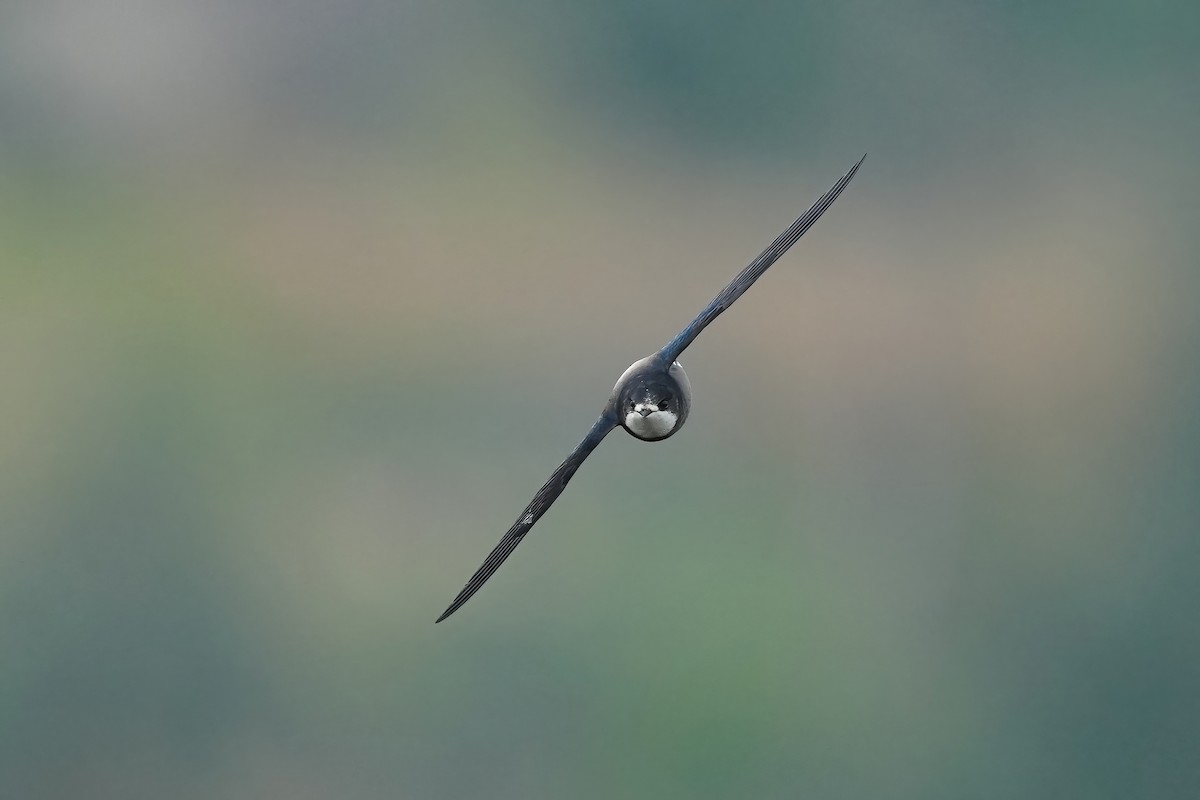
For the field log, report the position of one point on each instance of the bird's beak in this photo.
(645, 411)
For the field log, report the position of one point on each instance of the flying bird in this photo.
(651, 399)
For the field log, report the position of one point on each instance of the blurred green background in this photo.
(302, 301)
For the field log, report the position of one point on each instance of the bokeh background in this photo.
(302, 301)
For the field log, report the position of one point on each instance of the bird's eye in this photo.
(662, 405)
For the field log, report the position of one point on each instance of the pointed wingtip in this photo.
(459, 601)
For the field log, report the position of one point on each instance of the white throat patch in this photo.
(654, 425)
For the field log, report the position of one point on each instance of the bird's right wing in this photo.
(537, 506)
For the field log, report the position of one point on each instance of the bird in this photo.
(652, 397)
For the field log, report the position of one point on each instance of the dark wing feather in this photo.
(754, 270)
(541, 501)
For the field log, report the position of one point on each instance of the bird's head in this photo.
(652, 403)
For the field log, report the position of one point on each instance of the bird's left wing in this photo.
(541, 501)
(754, 270)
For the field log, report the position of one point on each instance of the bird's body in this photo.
(651, 399)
